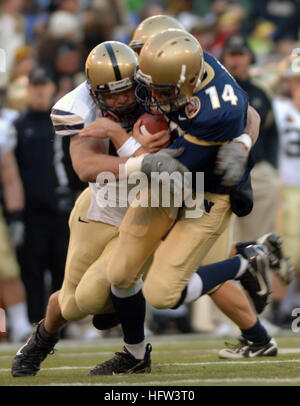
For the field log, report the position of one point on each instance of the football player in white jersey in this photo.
(109, 92)
(287, 116)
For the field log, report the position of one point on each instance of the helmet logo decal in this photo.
(113, 61)
(193, 107)
(182, 76)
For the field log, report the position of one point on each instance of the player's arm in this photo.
(252, 126)
(11, 182)
(89, 158)
(103, 128)
(14, 200)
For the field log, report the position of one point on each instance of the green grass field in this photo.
(181, 360)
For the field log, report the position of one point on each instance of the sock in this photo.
(209, 276)
(131, 309)
(256, 333)
(137, 350)
(18, 321)
(193, 289)
(213, 274)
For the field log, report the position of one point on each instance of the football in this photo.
(152, 124)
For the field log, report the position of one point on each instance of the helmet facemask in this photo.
(172, 99)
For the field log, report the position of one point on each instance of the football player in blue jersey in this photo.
(195, 92)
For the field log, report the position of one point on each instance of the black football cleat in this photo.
(27, 361)
(279, 263)
(247, 349)
(105, 321)
(255, 279)
(124, 363)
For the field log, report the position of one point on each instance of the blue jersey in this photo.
(216, 114)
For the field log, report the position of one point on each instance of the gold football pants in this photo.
(85, 288)
(185, 244)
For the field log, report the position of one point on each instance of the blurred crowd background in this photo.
(46, 42)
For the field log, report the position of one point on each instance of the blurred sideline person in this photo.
(49, 197)
(12, 292)
(93, 229)
(237, 57)
(287, 116)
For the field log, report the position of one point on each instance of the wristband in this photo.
(245, 139)
(129, 147)
(134, 164)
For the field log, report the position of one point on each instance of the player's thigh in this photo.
(140, 233)
(222, 246)
(87, 242)
(183, 250)
(9, 267)
(93, 291)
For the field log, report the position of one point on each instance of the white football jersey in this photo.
(69, 115)
(8, 138)
(288, 122)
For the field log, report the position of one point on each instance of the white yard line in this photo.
(193, 382)
(282, 351)
(183, 364)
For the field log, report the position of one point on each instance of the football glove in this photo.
(231, 163)
(163, 161)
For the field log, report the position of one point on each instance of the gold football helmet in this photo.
(109, 69)
(172, 63)
(151, 26)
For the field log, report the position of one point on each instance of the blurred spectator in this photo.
(36, 18)
(227, 25)
(287, 115)
(12, 292)
(261, 40)
(279, 12)
(71, 6)
(237, 58)
(67, 70)
(16, 98)
(49, 197)
(62, 27)
(11, 30)
(24, 62)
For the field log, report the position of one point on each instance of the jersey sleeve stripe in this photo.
(65, 127)
(66, 132)
(60, 112)
(72, 119)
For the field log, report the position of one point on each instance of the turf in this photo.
(184, 360)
